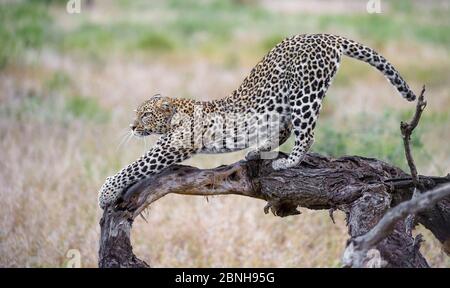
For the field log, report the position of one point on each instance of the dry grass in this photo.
(53, 160)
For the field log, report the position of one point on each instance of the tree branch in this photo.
(356, 252)
(406, 129)
(354, 185)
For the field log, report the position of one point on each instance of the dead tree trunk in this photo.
(363, 188)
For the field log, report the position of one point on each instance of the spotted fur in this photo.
(282, 93)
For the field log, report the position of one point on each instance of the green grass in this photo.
(101, 40)
(86, 108)
(387, 27)
(372, 136)
(58, 82)
(22, 26)
(58, 101)
(155, 42)
(376, 136)
(55, 109)
(89, 38)
(203, 26)
(268, 42)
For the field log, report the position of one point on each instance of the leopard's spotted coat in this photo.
(282, 93)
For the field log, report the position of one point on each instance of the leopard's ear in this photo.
(156, 96)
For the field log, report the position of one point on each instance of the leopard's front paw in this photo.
(281, 164)
(108, 193)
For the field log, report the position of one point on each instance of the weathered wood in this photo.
(407, 129)
(356, 252)
(363, 188)
(115, 245)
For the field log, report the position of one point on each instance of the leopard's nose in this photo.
(132, 126)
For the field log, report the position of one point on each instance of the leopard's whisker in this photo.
(124, 132)
(122, 135)
(130, 136)
(145, 143)
(124, 140)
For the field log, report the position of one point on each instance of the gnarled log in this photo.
(363, 188)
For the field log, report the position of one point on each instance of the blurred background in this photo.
(69, 84)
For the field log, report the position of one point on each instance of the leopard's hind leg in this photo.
(305, 102)
(270, 144)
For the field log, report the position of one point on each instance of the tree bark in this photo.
(115, 244)
(363, 188)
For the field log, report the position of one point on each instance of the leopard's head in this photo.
(153, 116)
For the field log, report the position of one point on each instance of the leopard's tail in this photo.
(356, 50)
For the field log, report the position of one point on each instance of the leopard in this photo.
(281, 96)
